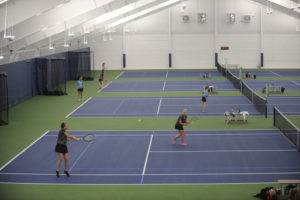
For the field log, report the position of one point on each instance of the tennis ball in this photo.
(139, 120)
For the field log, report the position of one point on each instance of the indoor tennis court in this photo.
(149, 99)
(166, 86)
(235, 157)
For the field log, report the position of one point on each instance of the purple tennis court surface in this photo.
(270, 73)
(149, 157)
(213, 73)
(173, 106)
(289, 85)
(160, 106)
(165, 86)
(168, 74)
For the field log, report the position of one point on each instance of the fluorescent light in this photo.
(9, 37)
(117, 12)
(70, 33)
(60, 5)
(141, 13)
(85, 39)
(3, 1)
(1, 57)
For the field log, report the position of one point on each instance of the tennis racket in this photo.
(88, 137)
(194, 119)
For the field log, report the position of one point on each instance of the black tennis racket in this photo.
(194, 119)
(88, 137)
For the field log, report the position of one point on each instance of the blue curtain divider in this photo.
(21, 81)
(21, 77)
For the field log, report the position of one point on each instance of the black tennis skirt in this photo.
(60, 148)
(179, 127)
(80, 89)
(204, 99)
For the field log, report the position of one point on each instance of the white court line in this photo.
(211, 114)
(275, 130)
(147, 156)
(190, 135)
(284, 104)
(276, 74)
(119, 75)
(216, 104)
(167, 74)
(23, 151)
(225, 151)
(295, 82)
(192, 174)
(78, 107)
(104, 86)
(164, 86)
(286, 97)
(159, 106)
(111, 184)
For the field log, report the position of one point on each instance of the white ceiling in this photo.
(35, 22)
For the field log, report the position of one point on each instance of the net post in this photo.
(241, 73)
(266, 110)
(298, 141)
(274, 110)
(267, 90)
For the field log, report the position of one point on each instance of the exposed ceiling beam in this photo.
(279, 7)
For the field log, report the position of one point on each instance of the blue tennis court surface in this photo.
(173, 106)
(287, 84)
(149, 157)
(165, 86)
(160, 106)
(270, 73)
(289, 105)
(168, 74)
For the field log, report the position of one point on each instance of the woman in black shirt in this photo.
(181, 121)
(101, 78)
(62, 149)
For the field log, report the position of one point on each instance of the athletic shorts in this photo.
(80, 89)
(204, 99)
(100, 80)
(60, 148)
(179, 127)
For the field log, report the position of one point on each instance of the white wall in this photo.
(193, 45)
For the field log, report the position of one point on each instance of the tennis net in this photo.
(234, 80)
(258, 101)
(221, 69)
(286, 127)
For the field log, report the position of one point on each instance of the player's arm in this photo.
(69, 137)
(184, 124)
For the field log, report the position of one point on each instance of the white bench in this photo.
(283, 182)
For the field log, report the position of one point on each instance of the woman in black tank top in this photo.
(181, 121)
(62, 149)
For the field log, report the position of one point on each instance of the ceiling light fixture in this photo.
(141, 13)
(8, 33)
(269, 10)
(71, 33)
(51, 46)
(3, 1)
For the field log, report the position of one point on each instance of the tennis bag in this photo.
(268, 193)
